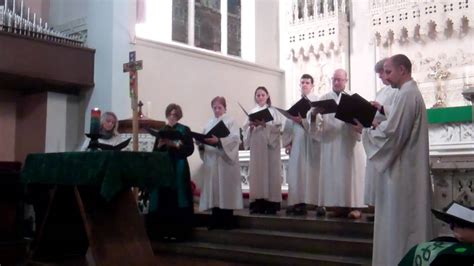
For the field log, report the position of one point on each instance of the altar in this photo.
(83, 200)
(452, 159)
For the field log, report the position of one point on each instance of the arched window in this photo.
(208, 24)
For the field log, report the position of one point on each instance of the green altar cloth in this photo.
(112, 171)
(457, 114)
(439, 253)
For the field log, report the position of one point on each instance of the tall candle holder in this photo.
(94, 141)
(94, 133)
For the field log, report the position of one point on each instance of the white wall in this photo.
(64, 11)
(56, 117)
(362, 52)
(267, 33)
(191, 78)
(110, 34)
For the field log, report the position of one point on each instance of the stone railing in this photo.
(244, 159)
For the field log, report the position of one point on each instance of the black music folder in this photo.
(220, 130)
(262, 115)
(300, 108)
(457, 214)
(165, 133)
(328, 106)
(355, 107)
(108, 147)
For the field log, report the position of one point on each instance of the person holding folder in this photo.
(263, 140)
(108, 130)
(342, 165)
(383, 102)
(399, 149)
(303, 166)
(221, 187)
(171, 209)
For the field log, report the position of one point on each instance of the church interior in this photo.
(63, 59)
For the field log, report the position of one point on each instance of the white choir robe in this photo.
(385, 97)
(221, 182)
(265, 174)
(399, 150)
(303, 165)
(115, 140)
(342, 160)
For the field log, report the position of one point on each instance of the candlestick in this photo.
(95, 121)
(148, 109)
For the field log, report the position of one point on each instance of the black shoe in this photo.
(290, 210)
(271, 211)
(300, 212)
(320, 211)
(258, 206)
(271, 207)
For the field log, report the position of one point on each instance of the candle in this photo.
(148, 109)
(95, 121)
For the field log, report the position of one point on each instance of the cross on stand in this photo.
(132, 67)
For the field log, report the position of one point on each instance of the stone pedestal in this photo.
(453, 180)
(452, 162)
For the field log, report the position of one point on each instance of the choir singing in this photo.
(338, 164)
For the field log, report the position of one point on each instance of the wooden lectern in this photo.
(125, 126)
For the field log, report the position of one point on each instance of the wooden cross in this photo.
(132, 67)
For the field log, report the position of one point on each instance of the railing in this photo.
(13, 20)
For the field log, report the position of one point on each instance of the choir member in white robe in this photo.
(108, 129)
(342, 164)
(303, 165)
(263, 140)
(399, 149)
(383, 101)
(221, 190)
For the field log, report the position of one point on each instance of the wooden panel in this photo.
(125, 126)
(30, 125)
(8, 124)
(52, 63)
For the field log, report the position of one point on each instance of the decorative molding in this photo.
(405, 21)
(451, 139)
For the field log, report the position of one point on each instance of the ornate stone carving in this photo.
(244, 158)
(145, 142)
(453, 180)
(440, 74)
(451, 139)
(428, 32)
